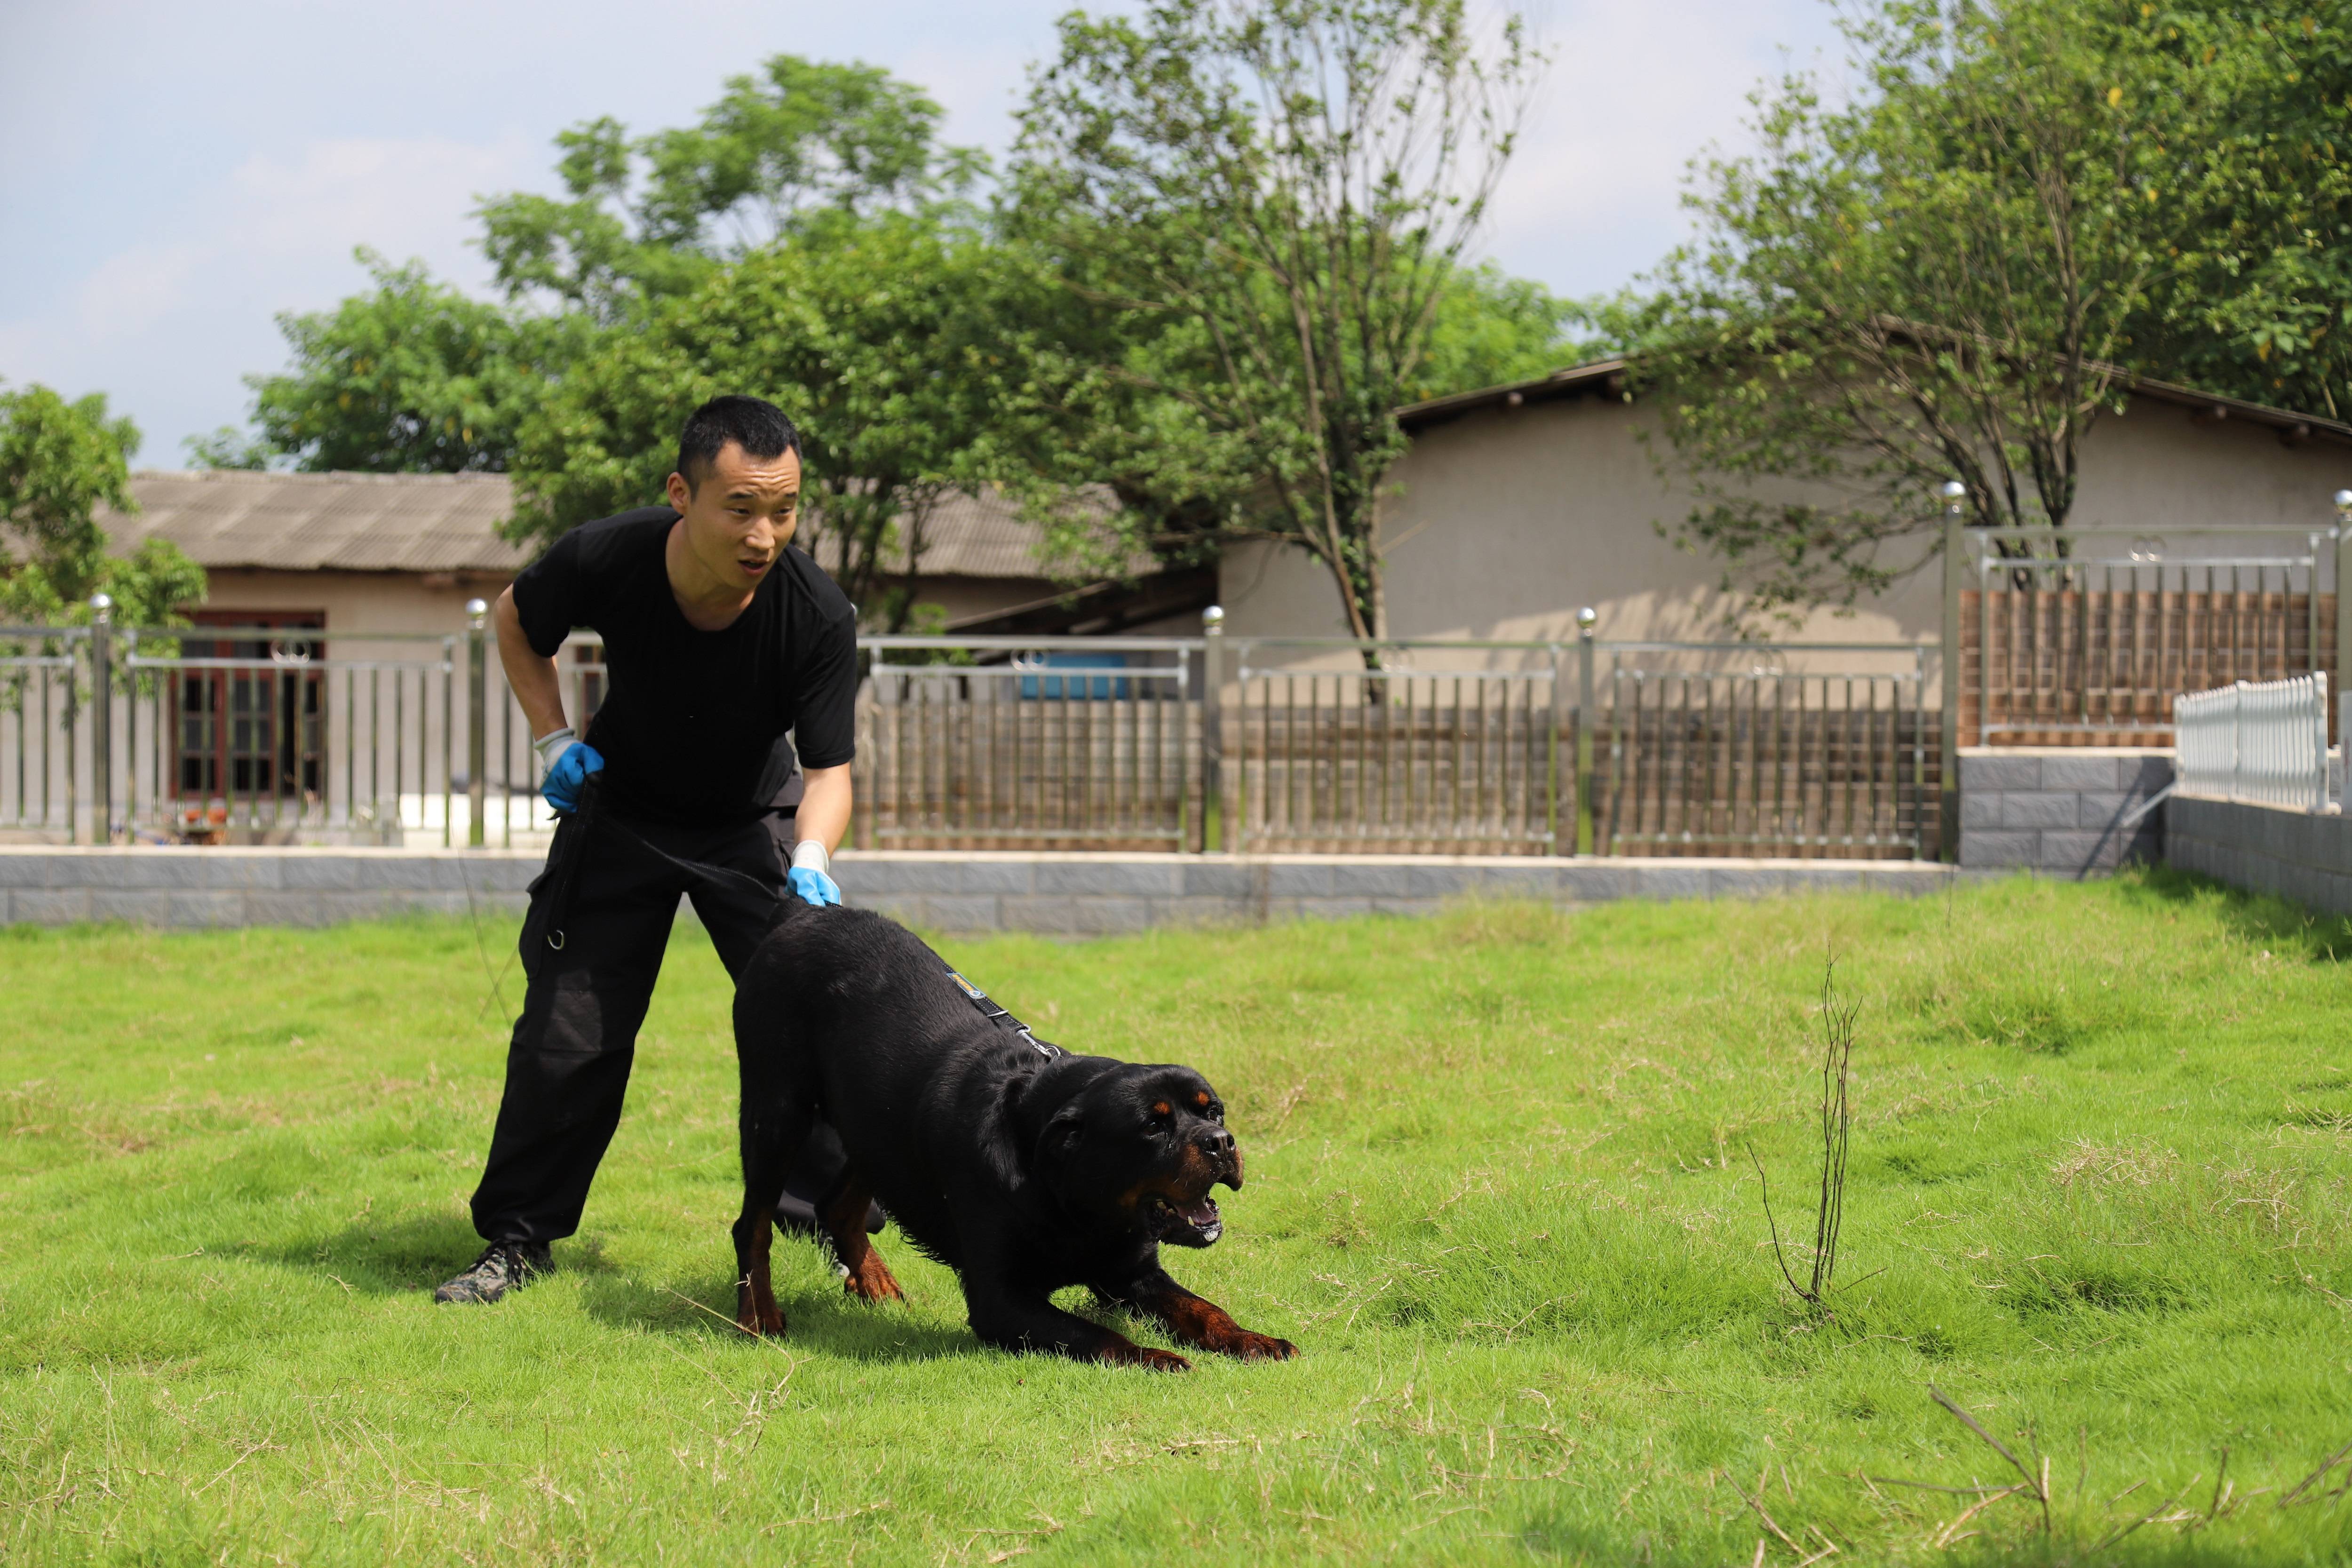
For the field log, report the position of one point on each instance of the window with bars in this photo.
(255, 729)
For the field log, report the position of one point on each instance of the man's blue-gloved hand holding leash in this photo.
(809, 877)
(570, 760)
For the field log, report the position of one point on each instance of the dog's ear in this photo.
(1060, 1135)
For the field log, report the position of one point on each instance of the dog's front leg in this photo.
(1194, 1319)
(1014, 1318)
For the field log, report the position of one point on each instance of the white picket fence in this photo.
(2265, 741)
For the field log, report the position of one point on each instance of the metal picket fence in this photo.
(1820, 750)
(2265, 741)
(1002, 744)
(287, 735)
(2083, 637)
(1323, 745)
(261, 734)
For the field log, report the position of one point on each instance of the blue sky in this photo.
(172, 177)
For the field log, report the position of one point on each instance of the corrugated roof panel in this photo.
(449, 522)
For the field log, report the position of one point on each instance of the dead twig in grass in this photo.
(1757, 1503)
(2143, 1519)
(250, 1451)
(2036, 1486)
(2221, 1491)
(2305, 1485)
(1946, 1536)
(1835, 1129)
(874, 1507)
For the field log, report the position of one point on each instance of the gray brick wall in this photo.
(47, 885)
(2059, 811)
(2302, 856)
(1080, 894)
(1071, 894)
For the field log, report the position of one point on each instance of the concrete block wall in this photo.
(1079, 894)
(2300, 854)
(2059, 810)
(283, 885)
(1067, 894)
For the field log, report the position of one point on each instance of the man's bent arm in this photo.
(531, 676)
(824, 807)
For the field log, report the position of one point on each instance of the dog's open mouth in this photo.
(1196, 1224)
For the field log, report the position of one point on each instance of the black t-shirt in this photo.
(690, 717)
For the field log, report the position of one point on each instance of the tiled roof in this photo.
(1608, 378)
(449, 522)
(326, 522)
(984, 535)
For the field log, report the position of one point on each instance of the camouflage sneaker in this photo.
(503, 1265)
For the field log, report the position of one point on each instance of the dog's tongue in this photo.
(1201, 1216)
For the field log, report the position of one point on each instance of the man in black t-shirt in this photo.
(719, 639)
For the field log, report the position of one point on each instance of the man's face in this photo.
(742, 514)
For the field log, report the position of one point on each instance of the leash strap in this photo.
(1000, 1017)
(588, 815)
(698, 870)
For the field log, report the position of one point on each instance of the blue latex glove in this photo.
(561, 788)
(813, 885)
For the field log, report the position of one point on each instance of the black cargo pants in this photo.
(568, 1064)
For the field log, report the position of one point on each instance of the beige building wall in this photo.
(1510, 519)
(357, 602)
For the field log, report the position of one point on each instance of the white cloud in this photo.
(171, 324)
(341, 194)
(134, 289)
(199, 170)
(1593, 194)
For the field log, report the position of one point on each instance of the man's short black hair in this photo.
(755, 423)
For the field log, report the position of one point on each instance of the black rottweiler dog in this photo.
(1024, 1168)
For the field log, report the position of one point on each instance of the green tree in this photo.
(1949, 277)
(59, 462)
(228, 448)
(1263, 209)
(1492, 328)
(646, 219)
(2256, 299)
(415, 377)
(883, 337)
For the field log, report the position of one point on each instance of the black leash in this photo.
(588, 815)
(999, 1016)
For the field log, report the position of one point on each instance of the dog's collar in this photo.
(1000, 1019)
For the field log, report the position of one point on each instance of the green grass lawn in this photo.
(1498, 1194)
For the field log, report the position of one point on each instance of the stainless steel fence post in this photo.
(2319, 758)
(478, 721)
(1212, 737)
(102, 719)
(1948, 773)
(2343, 595)
(1586, 619)
(1561, 843)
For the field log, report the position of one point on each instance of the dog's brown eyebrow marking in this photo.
(1159, 1108)
(1202, 1098)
